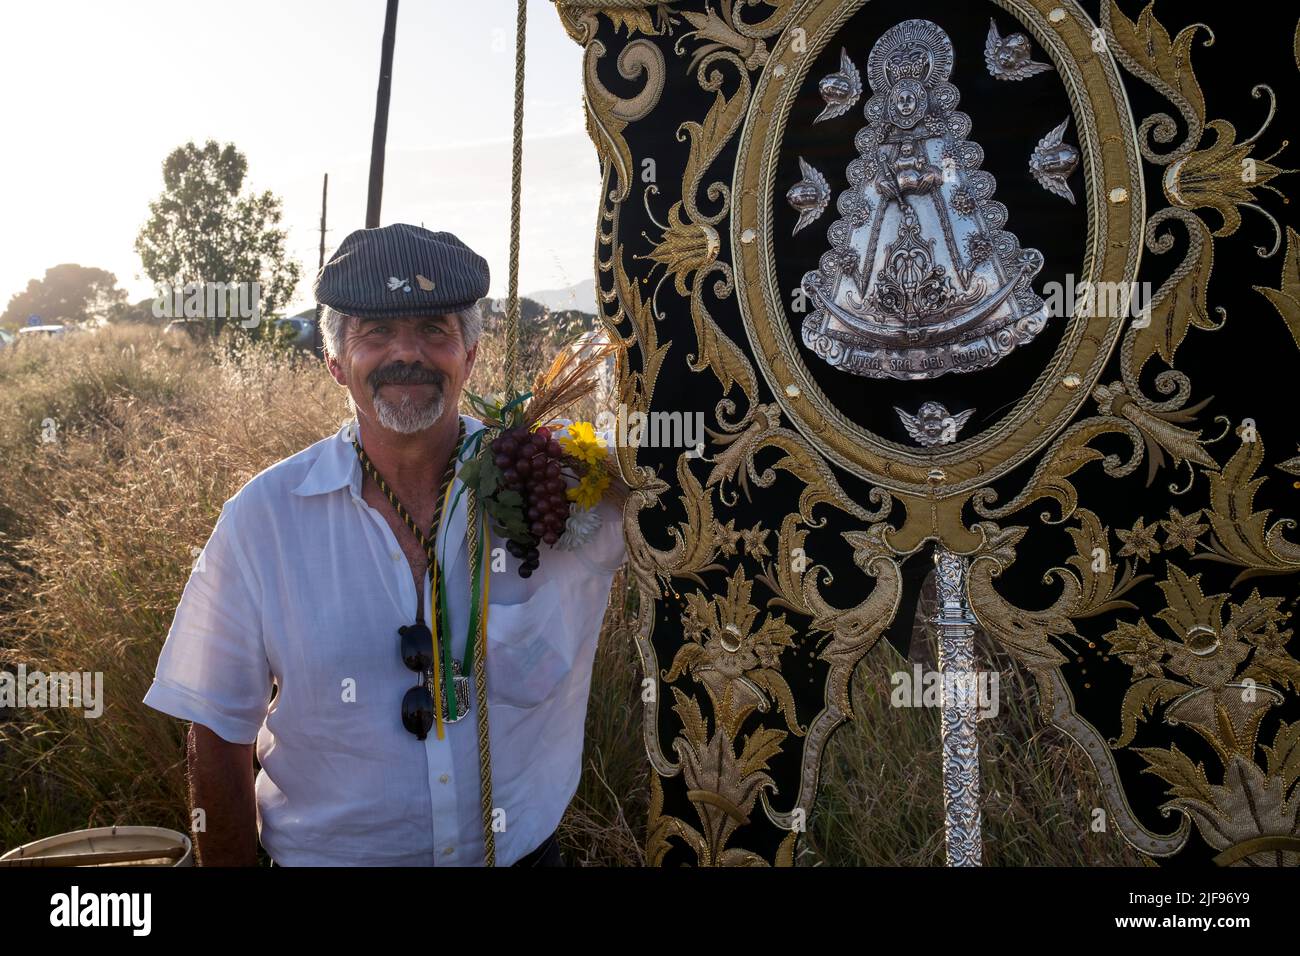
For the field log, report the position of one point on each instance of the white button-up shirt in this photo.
(302, 586)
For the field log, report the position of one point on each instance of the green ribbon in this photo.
(472, 442)
(476, 602)
(476, 598)
(448, 678)
(470, 447)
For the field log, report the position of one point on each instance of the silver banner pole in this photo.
(961, 766)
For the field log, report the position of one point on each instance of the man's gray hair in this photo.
(332, 325)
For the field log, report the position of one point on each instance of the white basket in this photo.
(94, 844)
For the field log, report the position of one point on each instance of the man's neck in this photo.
(413, 464)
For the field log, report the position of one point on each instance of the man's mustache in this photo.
(399, 373)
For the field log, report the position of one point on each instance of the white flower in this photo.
(580, 528)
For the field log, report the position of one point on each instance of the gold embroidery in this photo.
(778, 434)
(1286, 298)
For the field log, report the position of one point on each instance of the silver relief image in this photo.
(921, 278)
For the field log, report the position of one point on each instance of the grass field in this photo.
(119, 448)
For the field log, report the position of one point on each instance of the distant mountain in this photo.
(580, 297)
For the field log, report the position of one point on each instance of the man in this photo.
(310, 573)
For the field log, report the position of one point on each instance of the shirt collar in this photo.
(337, 465)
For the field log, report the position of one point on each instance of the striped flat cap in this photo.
(401, 270)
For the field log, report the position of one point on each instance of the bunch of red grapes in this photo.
(531, 463)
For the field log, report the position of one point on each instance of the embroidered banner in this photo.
(1015, 279)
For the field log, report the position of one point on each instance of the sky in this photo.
(95, 93)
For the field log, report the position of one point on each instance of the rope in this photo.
(516, 187)
(426, 542)
(477, 557)
(480, 680)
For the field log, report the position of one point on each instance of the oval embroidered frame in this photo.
(1111, 167)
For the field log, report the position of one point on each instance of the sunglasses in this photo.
(417, 703)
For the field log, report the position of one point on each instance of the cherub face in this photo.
(1014, 51)
(904, 101)
(932, 416)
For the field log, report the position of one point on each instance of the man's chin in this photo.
(407, 417)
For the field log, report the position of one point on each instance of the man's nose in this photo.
(407, 344)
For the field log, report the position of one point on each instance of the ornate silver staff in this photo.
(961, 766)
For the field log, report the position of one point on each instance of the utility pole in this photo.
(324, 199)
(381, 118)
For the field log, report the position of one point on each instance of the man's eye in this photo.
(378, 329)
(434, 327)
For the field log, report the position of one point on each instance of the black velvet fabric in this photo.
(1247, 369)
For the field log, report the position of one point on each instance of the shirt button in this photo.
(444, 778)
(397, 556)
(447, 851)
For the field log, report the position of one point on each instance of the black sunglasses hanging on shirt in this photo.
(416, 640)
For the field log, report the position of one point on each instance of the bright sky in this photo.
(95, 93)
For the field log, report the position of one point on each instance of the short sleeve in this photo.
(607, 550)
(213, 669)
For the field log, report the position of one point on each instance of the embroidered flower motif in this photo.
(1141, 541)
(1140, 648)
(1182, 531)
(580, 528)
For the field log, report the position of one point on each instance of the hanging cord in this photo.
(427, 543)
(478, 566)
(516, 188)
(478, 556)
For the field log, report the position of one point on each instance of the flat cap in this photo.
(401, 270)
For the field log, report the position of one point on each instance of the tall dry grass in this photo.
(98, 529)
(106, 504)
(881, 801)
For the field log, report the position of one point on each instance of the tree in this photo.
(541, 331)
(69, 293)
(139, 313)
(202, 230)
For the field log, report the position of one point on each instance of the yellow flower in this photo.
(590, 489)
(582, 442)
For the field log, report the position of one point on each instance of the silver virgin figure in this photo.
(921, 278)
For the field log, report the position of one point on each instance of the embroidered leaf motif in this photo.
(1179, 305)
(1286, 298)
(1186, 779)
(1141, 699)
(634, 21)
(1284, 755)
(760, 747)
(1241, 534)
(692, 720)
(1188, 607)
(1148, 42)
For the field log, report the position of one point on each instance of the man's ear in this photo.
(335, 369)
(470, 356)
